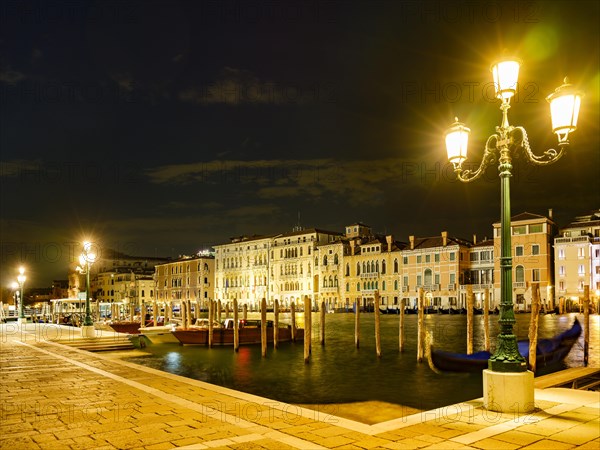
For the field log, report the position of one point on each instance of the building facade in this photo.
(186, 278)
(577, 258)
(532, 259)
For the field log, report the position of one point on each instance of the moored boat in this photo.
(548, 352)
(249, 333)
(130, 327)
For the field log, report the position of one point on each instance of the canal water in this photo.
(340, 373)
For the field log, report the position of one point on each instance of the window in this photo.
(437, 278)
(395, 285)
(383, 267)
(561, 253)
(427, 277)
(452, 256)
(536, 275)
(519, 250)
(561, 271)
(405, 260)
(580, 252)
(395, 265)
(347, 287)
(535, 249)
(537, 228)
(437, 257)
(335, 259)
(383, 285)
(347, 270)
(452, 278)
(418, 259)
(357, 268)
(581, 270)
(427, 258)
(474, 257)
(405, 280)
(519, 274)
(419, 280)
(520, 229)
(561, 285)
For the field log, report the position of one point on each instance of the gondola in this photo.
(549, 352)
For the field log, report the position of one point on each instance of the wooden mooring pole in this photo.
(211, 315)
(469, 319)
(322, 324)
(307, 330)
(236, 326)
(263, 327)
(377, 301)
(357, 324)
(293, 313)
(586, 324)
(276, 324)
(421, 327)
(219, 311)
(401, 327)
(486, 320)
(245, 312)
(533, 325)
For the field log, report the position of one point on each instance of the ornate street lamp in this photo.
(564, 109)
(86, 259)
(21, 281)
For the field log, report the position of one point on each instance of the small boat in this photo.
(549, 352)
(129, 327)
(249, 333)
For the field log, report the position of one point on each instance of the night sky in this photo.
(162, 128)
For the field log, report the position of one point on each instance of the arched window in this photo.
(347, 269)
(377, 266)
(395, 265)
(335, 259)
(316, 262)
(357, 268)
(358, 287)
(395, 285)
(427, 277)
(325, 260)
(335, 281)
(383, 285)
(383, 267)
(330, 281)
(519, 274)
(365, 269)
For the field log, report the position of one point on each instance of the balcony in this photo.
(330, 289)
(452, 287)
(477, 287)
(519, 285)
(369, 275)
(404, 288)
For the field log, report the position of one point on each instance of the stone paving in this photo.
(59, 397)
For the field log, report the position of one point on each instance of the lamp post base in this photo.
(508, 392)
(88, 331)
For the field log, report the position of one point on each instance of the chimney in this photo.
(412, 242)
(474, 238)
(352, 247)
(444, 238)
(550, 213)
(388, 238)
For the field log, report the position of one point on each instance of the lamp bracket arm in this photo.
(550, 156)
(489, 157)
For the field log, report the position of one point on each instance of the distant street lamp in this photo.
(86, 259)
(564, 109)
(21, 281)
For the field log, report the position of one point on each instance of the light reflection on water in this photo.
(339, 373)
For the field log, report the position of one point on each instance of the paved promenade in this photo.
(59, 397)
